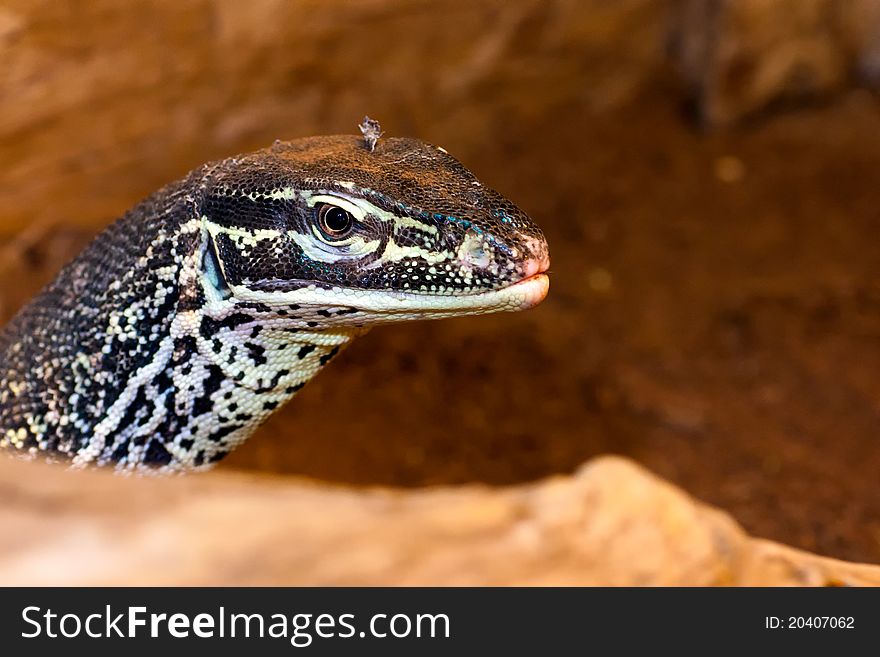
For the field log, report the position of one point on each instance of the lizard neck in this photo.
(152, 373)
(229, 374)
(66, 356)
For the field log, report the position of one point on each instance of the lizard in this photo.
(202, 310)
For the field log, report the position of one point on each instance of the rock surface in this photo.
(97, 107)
(612, 523)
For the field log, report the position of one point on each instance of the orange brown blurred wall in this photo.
(104, 101)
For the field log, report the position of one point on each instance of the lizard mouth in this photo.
(535, 289)
(385, 305)
(528, 292)
(522, 295)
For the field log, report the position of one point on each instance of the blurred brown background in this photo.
(706, 173)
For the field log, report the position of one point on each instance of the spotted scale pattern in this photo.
(200, 312)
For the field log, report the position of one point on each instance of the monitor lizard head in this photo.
(361, 236)
(202, 310)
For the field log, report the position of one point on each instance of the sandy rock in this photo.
(611, 523)
(98, 112)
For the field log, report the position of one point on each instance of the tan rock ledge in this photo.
(611, 523)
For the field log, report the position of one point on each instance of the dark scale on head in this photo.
(432, 210)
(225, 292)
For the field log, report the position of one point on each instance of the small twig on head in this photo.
(371, 131)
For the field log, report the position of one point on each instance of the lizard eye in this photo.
(334, 222)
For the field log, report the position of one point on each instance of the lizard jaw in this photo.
(378, 306)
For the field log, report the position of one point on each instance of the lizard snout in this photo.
(538, 260)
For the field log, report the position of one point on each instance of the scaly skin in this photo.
(186, 323)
